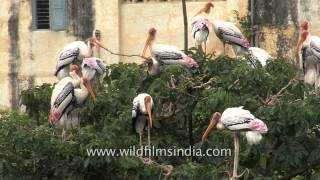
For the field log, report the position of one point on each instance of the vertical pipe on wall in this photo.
(252, 22)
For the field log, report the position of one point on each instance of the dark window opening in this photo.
(42, 14)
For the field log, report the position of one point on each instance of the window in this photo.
(49, 14)
(141, 1)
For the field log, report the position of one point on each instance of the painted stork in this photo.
(228, 33)
(142, 115)
(258, 55)
(201, 26)
(153, 66)
(93, 69)
(65, 97)
(166, 54)
(73, 53)
(237, 119)
(309, 48)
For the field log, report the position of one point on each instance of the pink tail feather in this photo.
(189, 62)
(54, 116)
(258, 125)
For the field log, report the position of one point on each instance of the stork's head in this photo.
(206, 9)
(208, 6)
(151, 36)
(149, 62)
(147, 103)
(304, 25)
(74, 68)
(86, 83)
(91, 42)
(215, 119)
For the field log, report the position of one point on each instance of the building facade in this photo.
(32, 32)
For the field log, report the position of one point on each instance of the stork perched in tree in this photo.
(256, 54)
(309, 48)
(142, 115)
(66, 96)
(201, 26)
(93, 68)
(74, 53)
(165, 54)
(228, 33)
(237, 119)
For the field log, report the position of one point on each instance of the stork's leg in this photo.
(140, 139)
(236, 155)
(149, 140)
(316, 79)
(224, 48)
(205, 48)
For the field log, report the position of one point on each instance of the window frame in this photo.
(51, 27)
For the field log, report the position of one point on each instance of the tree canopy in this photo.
(184, 103)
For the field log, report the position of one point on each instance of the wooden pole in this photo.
(185, 23)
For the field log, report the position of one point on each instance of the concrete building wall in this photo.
(124, 26)
(4, 54)
(278, 22)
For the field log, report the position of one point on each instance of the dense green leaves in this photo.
(29, 148)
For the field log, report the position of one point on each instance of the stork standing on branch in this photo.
(237, 119)
(74, 53)
(308, 47)
(228, 33)
(142, 115)
(65, 98)
(201, 26)
(165, 54)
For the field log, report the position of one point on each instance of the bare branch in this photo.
(271, 99)
(126, 55)
(205, 84)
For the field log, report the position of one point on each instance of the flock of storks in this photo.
(76, 71)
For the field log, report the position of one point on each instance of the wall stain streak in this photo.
(80, 18)
(13, 29)
(280, 17)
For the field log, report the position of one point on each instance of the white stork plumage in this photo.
(238, 119)
(153, 66)
(258, 55)
(74, 53)
(228, 33)
(93, 69)
(201, 26)
(165, 54)
(142, 115)
(66, 96)
(309, 48)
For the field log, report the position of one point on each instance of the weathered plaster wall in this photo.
(123, 29)
(107, 20)
(4, 54)
(167, 18)
(13, 27)
(278, 21)
(80, 18)
(38, 48)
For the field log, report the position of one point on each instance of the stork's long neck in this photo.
(84, 93)
(89, 53)
(75, 79)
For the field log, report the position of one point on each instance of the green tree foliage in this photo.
(184, 103)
